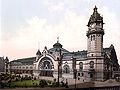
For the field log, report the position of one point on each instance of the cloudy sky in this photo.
(27, 25)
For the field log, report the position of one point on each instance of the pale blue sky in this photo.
(14, 12)
(24, 23)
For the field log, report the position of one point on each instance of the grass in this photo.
(25, 83)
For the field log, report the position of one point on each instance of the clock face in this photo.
(93, 25)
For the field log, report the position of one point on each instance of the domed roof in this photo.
(57, 45)
(95, 17)
(38, 52)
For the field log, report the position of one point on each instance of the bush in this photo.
(34, 78)
(54, 84)
(42, 83)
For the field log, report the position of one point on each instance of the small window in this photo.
(98, 35)
(93, 37)
(31, 67)
(51, 52)
(66, 69)
(91, 75)
(82, 74)
(78, 74)
(92, 55)
(88, 37)
(91, 64)
(81, 66)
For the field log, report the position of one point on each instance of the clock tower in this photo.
(95, 45)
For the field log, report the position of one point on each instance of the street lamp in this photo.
(58, 70)
(59, 65)
(75, 76)
(74, 69)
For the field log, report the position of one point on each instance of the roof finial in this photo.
(45, 48)
(38, 45)
(57, 39)
(95, 9)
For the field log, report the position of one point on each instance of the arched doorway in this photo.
(46, 67)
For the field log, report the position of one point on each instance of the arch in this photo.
(51, 59)
(66, 69)
(45, 66)
(93, 37)
(45, 63)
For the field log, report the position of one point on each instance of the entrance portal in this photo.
(46, 67)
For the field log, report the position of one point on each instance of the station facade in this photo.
(95, 63)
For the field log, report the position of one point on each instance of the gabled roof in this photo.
(79, 55)
(24, 61)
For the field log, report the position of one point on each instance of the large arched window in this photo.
(46, 63)
(66, 69)
(81, 66)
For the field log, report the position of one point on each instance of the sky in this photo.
(29, 25)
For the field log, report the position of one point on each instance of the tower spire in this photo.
(57, 39)
(38, 45)
(95, 45)
(95, 9)
(95, 17)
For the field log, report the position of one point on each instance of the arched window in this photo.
(81, 66)
(91, 64)
(66, 69)
(93, 37)
(46, 63)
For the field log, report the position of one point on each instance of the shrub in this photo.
(42, 83)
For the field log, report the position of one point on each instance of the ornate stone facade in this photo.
(95, 63)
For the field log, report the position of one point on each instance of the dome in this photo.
(95, 17)
(57, 45)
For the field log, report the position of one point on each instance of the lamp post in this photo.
(74, 69)
(59, 66)
(75, 76)
(58, 70)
